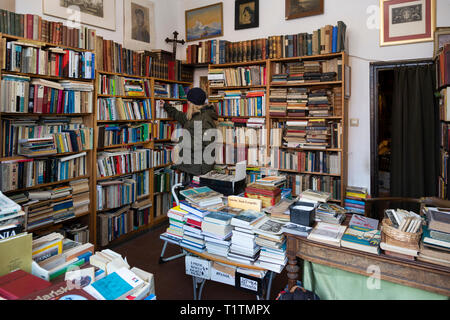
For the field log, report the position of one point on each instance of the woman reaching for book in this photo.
(198, 115)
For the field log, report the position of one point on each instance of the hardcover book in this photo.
(361, 238)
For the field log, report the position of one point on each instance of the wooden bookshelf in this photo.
(88, 120)
(150, 144)
(343, 119)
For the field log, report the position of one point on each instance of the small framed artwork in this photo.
(139, 24)
(407, 21)
(246, 14)
(441, 37)
(303, 8)
(204, 22)
(98, 13)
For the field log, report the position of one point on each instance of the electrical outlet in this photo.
(354, 122)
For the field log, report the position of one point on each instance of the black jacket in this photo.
(208, 118)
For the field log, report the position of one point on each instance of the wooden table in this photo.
(416, 274)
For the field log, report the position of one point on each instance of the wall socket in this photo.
(354, 122)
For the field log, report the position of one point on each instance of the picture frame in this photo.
(303, 8)
(139, 25)
(204, 22)
(441, 37)
(97, 13)
(407, 21)
(246, 14)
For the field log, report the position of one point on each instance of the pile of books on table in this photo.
(435, 246)
(269, 195)
(243, 247)
(272, 241)
(355, 198)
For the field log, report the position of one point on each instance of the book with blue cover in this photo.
(221, 218)
(247, 218)
(363, 239)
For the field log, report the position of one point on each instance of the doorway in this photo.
(381, 91)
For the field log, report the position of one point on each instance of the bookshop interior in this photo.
(235, 150)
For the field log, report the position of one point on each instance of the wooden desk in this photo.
(416, 274)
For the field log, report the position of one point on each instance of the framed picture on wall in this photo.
(246, 14)
(303, 8)
(407, 21)
(204, 22)
(441, 37)
(139, 25)
(98, 13)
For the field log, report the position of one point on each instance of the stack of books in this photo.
(243, 247)
(202, 197)
(269, 195)
(280, 211)
(297, 102)
(327, 233)
(313, 71)
(272, 181)
(435, 247)
(133, 87)
(355, 198)
(362, 234)
(317, 134)
(216, 78)
(80, 196)
(12, 217)
(295, 133)
(315, 196)
(217, 229)
(279, 78)
(319, 104)
(177, 220)
(330, 213)
(296, 71)
(272, 241)
(278, 102)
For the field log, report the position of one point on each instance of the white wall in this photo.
(164, 22)
(363, 48)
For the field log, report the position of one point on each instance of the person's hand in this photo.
(161, 103)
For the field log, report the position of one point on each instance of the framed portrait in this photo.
(441, 37)
(303, 8)
(407, 21)
(139, 25)
(246, 14)
(98, 13)
(204, 22)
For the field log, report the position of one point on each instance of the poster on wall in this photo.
(205, 22)
(98, 13)
(407, 21)
(139, 25)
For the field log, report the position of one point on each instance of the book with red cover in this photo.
(60, 291)
(19, 284)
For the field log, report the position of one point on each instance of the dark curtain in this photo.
(415, 133)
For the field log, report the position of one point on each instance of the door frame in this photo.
(375, 68)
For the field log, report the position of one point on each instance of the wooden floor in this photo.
(171, 281)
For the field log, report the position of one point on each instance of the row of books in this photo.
(19, 56)
(443, 67)
(117, 134)
(31, 26)
(74, 134)
(168, 90)
(163, 180)
(55, 205)
(163, 202)
(19, 174)
(23, 95)
(163, 130)
(111, 109)
(162, 155)
(243, 132)
(298, 183)
(285, 73)
(231, 155)
(113, 57)
(444, 116)
(123, 86)
(240, 103)
(116, 193)
(307, 161)
(118, 222)
(328, 39)
(123, 161)
(237, 77)
(161, 113)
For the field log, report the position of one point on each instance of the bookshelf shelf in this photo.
(313, 149)
(123, 121)
(46, 226)
(311, 57)
(123, 97)
(46, 77)
(44, 185)
(305, 118)
(25, 114)
(121, 175)
(311, 173)
(239, 87)
(238, 64)
(124, 145)
(42, 43)
(307, 84)
(65, 154)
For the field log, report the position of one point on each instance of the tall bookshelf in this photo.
(341, 118)
(155, 217)
(87, 217)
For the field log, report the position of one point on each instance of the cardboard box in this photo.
(223, 273)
